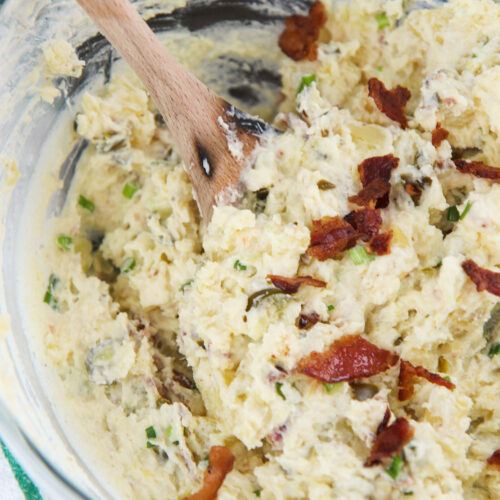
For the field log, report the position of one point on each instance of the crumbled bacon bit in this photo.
(494, 460)
(378, 167)
(370, 194)
(367, 222)
(482, 278)
(385, 421)
(439, 134)
(478, 169)
(292, 285)
(390, 102)
(330, 236)
(305, 321)
(349, 358)
(381, 243)
(301, 33)
(390, 441)
(275, 437)
(407, 372)
(220, 464)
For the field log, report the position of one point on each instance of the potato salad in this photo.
(335, 334)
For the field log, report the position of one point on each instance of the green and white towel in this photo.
(14, 483)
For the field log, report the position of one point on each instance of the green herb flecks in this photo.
(130, 189)
(395, 467)
(86, 203)
(330, 307)
(65, 242)
(49, 297)
(466, 210)
(239, 266)
(382, 20)
(150, 432)
(149, 444)
(256, 493)
(332, 388)
(279, 385)
(168, 432)
(494, 349)
(359, 255)
(185, 285)
(305, 81)
(128, 265)
(380, 68)
(453, 215)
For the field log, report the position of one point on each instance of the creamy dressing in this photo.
(151, 352)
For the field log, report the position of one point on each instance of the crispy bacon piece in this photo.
(220, 464)
(494, 460)
(305, 321)
(349, 358)
(298, 40)
(478, 169)
(385, 421)
(439, 134)
(370, 194)
(292, 285)
(407, 372)
(482, 278)
(330, 236)
(390, 102)
(381, 243)
(390, 441)
(367, 222)
(378, 167)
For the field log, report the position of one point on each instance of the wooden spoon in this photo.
(198, 119)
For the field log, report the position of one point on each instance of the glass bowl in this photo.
(28, 423)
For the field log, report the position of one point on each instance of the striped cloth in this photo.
(14, 483)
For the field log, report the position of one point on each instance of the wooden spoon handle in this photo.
(191, 110)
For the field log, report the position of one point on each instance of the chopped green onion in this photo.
(447, 377)
(382, 20)
(279, 385)
(359, 255)
(466, 210)
(380, 68)
(149, 444)
(86, 203)
(65, 241)
(305, 82)
(49, 298)
(331, 307)
(130, 189)
(185, 285)
(169, 431)
(332, 387)
(256, 493)
(407, 492)
(128, 265)
(396, 466)
(494, 349)
(150, 432)
(453, 214)
(240, 266)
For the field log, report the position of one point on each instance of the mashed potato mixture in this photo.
(377, 375)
